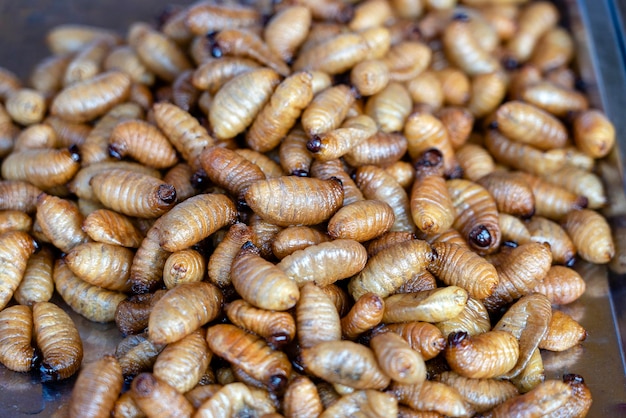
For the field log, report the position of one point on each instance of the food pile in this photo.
(304, 208)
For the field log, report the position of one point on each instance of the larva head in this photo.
(457, 339)
(115, 152)
(277, 383)
(74, 153)
(300, 172)
(314, 144)
(279, 339)
(167, 194)
(573, 378)
(461, 17)
(480, 237)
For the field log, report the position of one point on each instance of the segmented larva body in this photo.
(142, 142)
(37, 284)
(15, 249)
(361, 221)
(88, 99)
(301, 398)
(365, 314)
(109, 227)
(103, 265)
(327, 110)
(97, 387)
(16, 331)
(434, 305)
(18, 195)
(44, 168)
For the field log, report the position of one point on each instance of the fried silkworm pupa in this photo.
(457, 266)
(364, 315)
(237, 103)
(476, 215)
(326, 170)
(423, 337)
(424, 131)
(183, 130)
(44, 168)
(434, 305)
(103, 265)
(531, 375)
(425, 89)
(151, 196)
(136, 353)
(591, 235)
(181, 364)
(369, 14)
(317, 318)
(513, 229)
(534, 20)
(59, 342)
(142, 142)
(402, 172)
(397, 359)
(334, 55)
(184, 266)
(88, 99)
(387, 240)
(361, 221)
(229, 170)
(18, 195)
(47, 74)
(473, 320)
(126, 407)
(87, 62)
(13, 220)
(212, 74)
(552, 201)
(325, 263)
(287, 30)
(463, 49)
(69, 133)
(95, 147)
(337, 361)
(158, 399)
(327, 110)
(582, 183)
(280, 113)
(203, 18)
(545, 398)
(563, 333)
(594, 134)
(184, 93)
(301, 399)
(182, 310)
(369, 76)
(527, 320)
(97, 388)
(376, 184)
(60, 221)
(459, 122)
(481, 394)
(294, 238)
(109, 227)
(161, 55)
(482, 356)
(519, 271)
(39, 135)
(487, 92)
(262, 283)
(65, 38)
(222, 257)
(263, 234)
(390, 107)
(26, 106)
(37, 284)
(581, 399)
(431, 205)
(381, 149)
(291, 200)
(544, 230)
(528, 124)
(406, 60)
(557, 50)
(201, 393)
(132, 314)
(251, 354)
(277, 328)
(558, 101)
(390, 268)
(562, 285)
(237, 399)
(432, 396)
(242, 42)
(455, 86)
(124, 58)
(337, 142)
(16, 329)
(475, 161)
(373, 403)
(92, 302)
(293, 155)
(511, 194)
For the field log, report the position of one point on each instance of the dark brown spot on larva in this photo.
(167, 193)
(480, 236)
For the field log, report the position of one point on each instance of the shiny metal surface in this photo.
(602, 310)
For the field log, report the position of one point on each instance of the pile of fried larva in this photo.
(301, 209)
